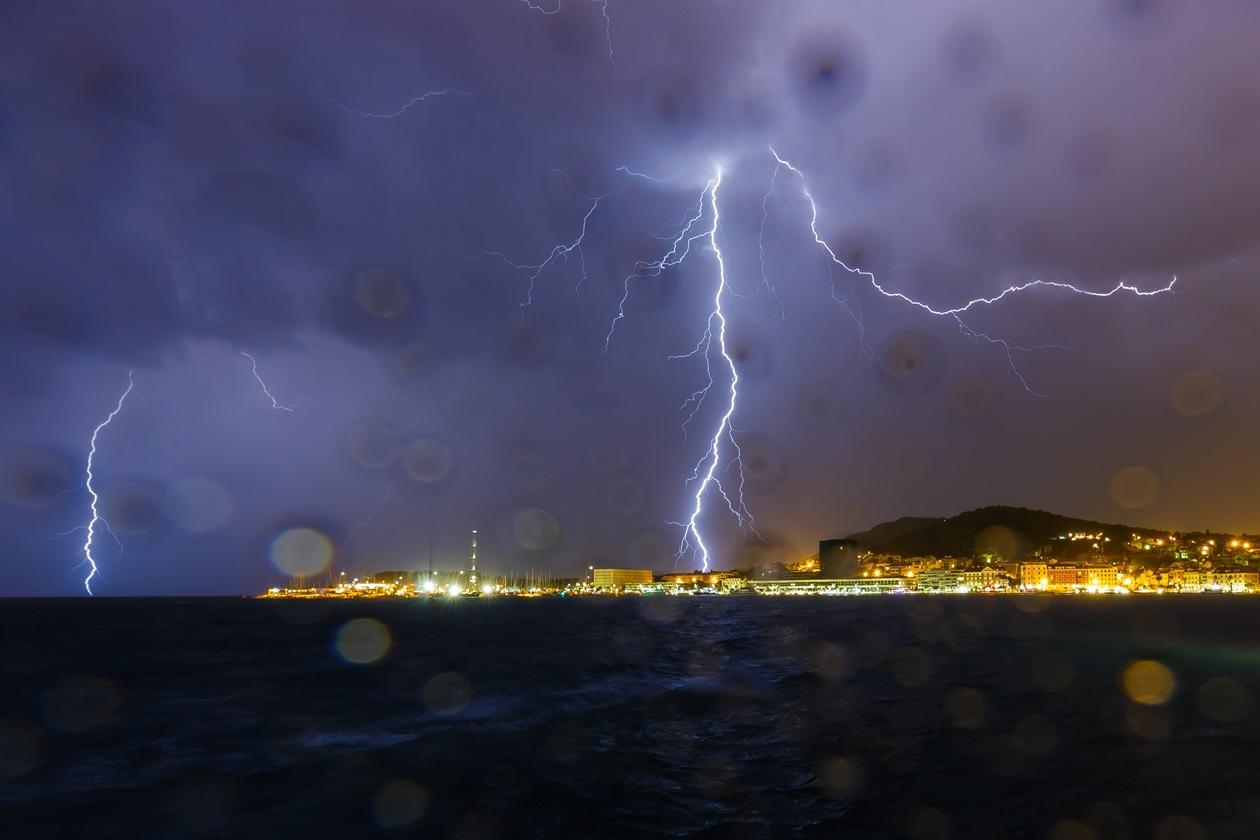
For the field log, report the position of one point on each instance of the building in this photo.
(830, 586)
(700, 579)
(940, 580)
(987, 579)
(1219, 580)
(621, 578)
(1075, 578)
(1102, 577)
(1034, 575)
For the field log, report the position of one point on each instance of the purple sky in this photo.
(183, 182)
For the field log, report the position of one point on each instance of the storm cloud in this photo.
(182, 183)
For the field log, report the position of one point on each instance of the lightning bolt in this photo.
(558, 253)
(542, 11)
(276, 404)
(955, 312)
(603, 7)
(407, 106)
(366, 521)
(87, 482)
(705, 473)
(625, 170)
(723, 453)
(603, 4)
(679, 248)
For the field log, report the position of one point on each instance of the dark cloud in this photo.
(178, 184)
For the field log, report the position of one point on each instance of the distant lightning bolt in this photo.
(625, 170)
(608, 33)
(87, 482)
(366, 521)
(535, 7)
(956, 312)
(761, 243)
(558, 253)
(603, 6)
(389, 115)
(276, 404)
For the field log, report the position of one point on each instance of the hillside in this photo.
(1011, 532)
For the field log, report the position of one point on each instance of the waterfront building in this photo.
(699, 579)
(985, 580)
(830, 586)
(1034, 575)
(940, 580)
(619, 579)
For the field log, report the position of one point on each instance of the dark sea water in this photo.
(895, 716)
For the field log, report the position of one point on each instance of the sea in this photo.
(916, 716)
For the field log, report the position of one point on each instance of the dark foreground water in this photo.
(921, 717)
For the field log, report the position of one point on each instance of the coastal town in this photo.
(1072, 562)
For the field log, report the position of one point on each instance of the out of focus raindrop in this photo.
(1195, 392)
(827, 71)
(373, 444)
(198, 504)
(1148, 682)
(131, 507)
(1224, 700)
(382, 292)
(840, 777)
(362, 641)
(535, 529)
(911, 363)
(399, 803)
(301, 551)
(820, 404)
(427, 460)
(969, 48)
(33, 477)
(446, 694)
(1134, 487)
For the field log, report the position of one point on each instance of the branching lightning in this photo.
(706, 471)
(559, 253)
(956, 312)
(87, 482)
(276, 404)
(723, 453)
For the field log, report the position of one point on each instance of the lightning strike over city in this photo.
(654, 419)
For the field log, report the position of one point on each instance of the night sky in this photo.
(183, 182)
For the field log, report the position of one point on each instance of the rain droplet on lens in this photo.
(373, 444)
(1134, 487)
(33, 477)
(427, 460)
(382, 292)
(827, 71)
(969, 48)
